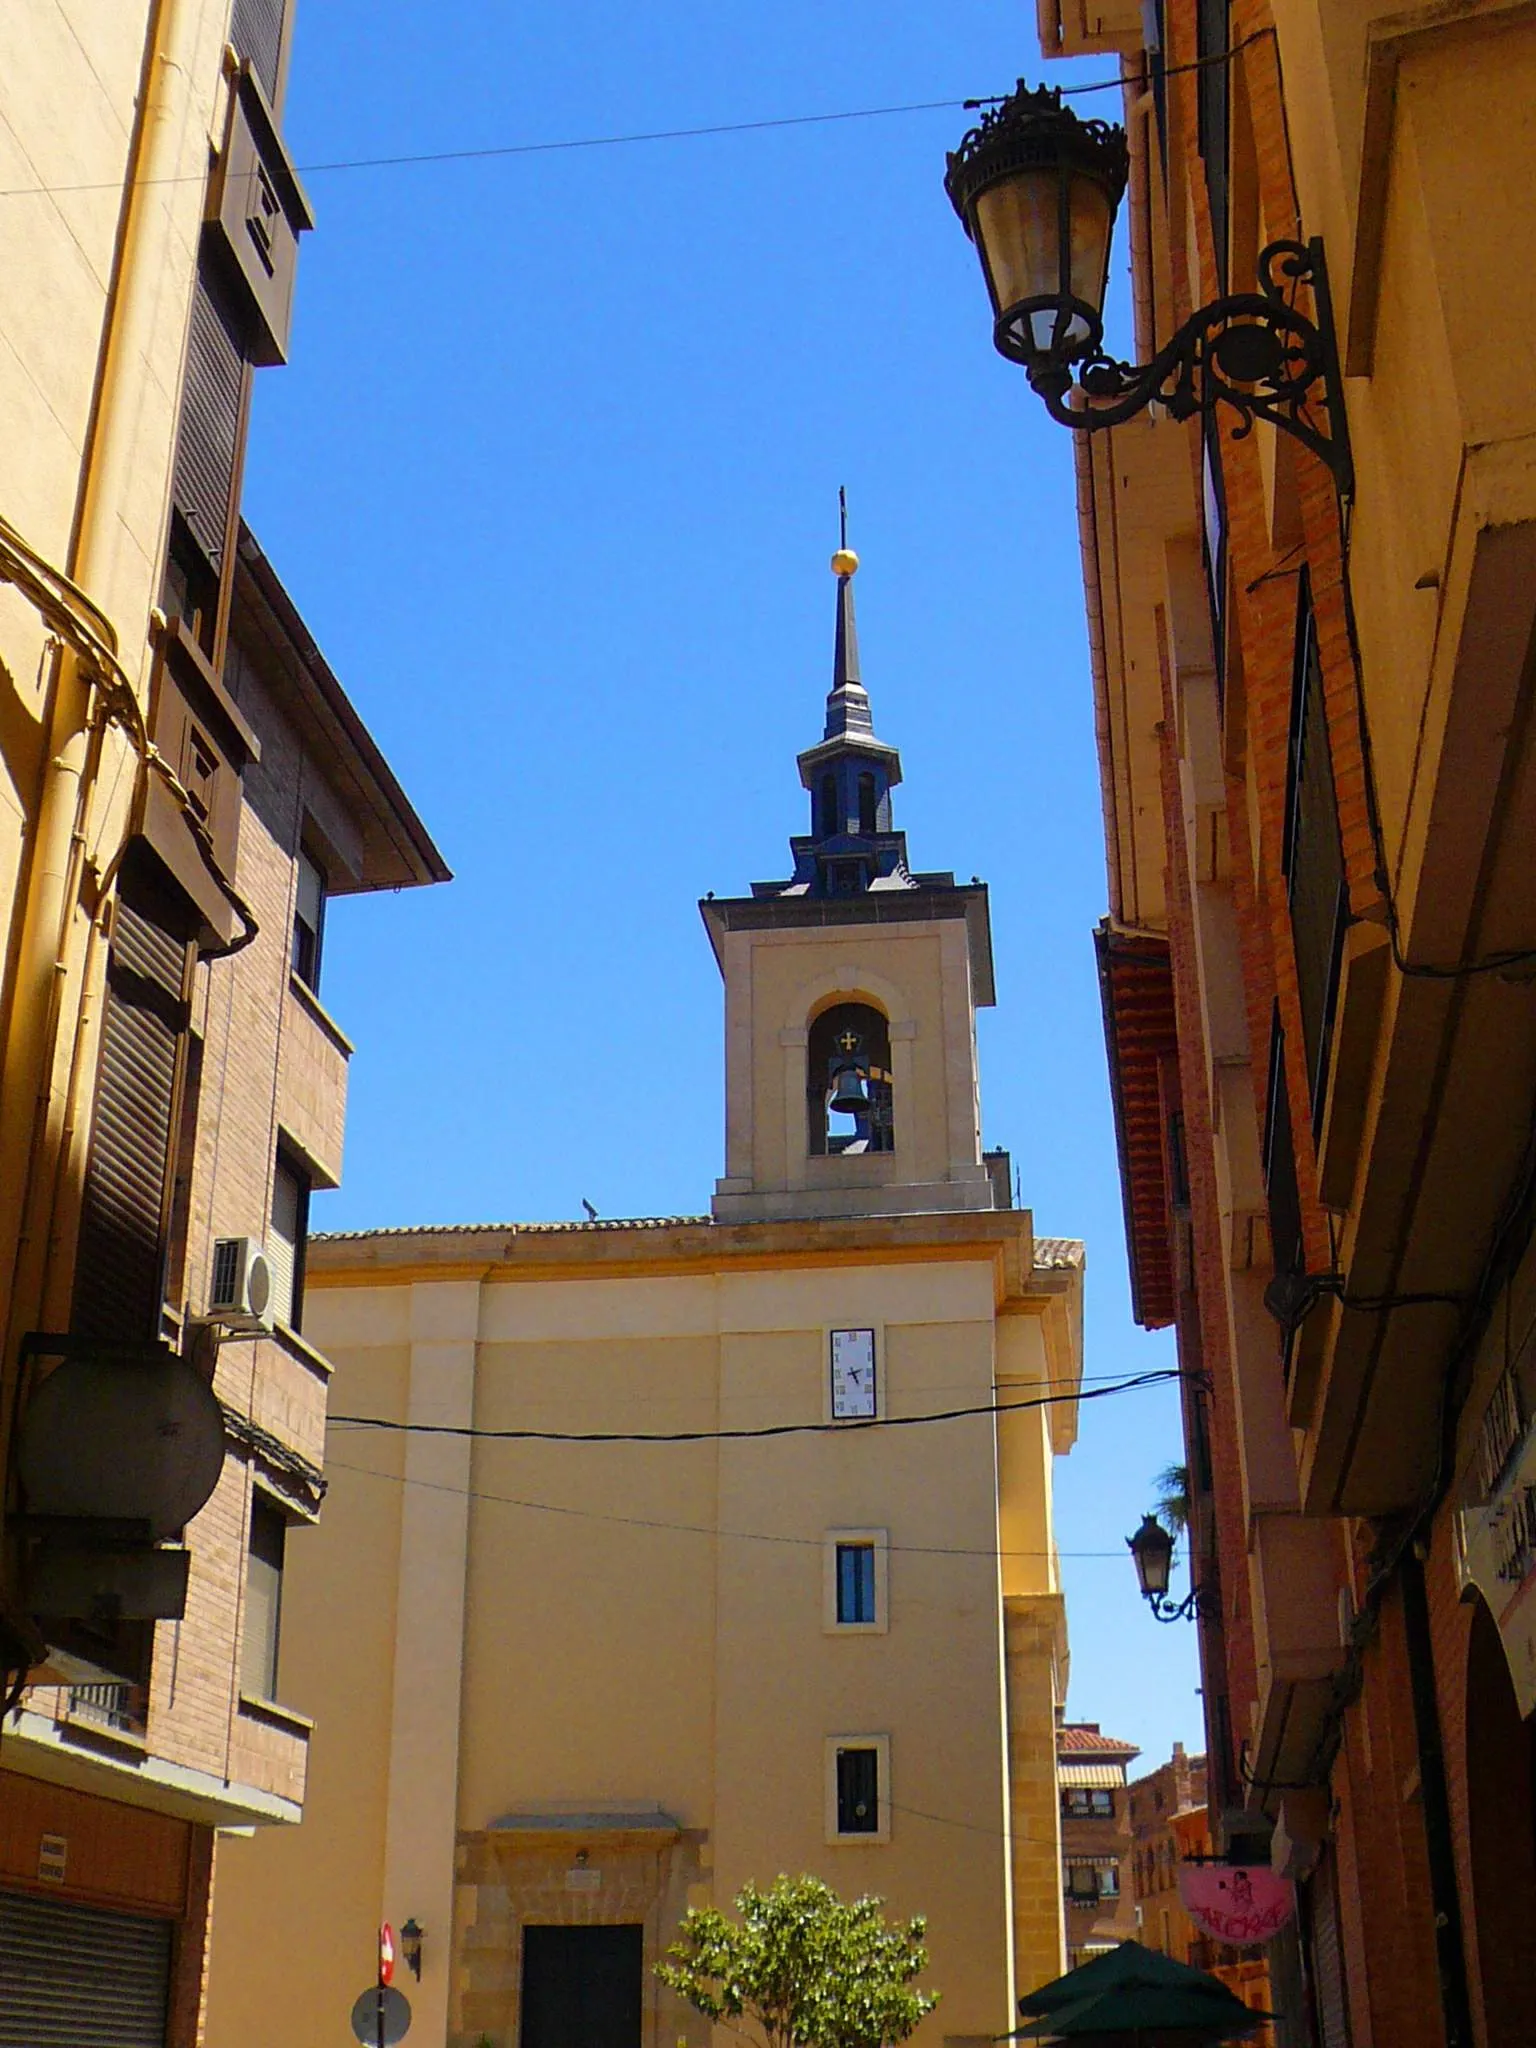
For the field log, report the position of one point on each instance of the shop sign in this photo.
(1243, 1904)
(1496, 1540)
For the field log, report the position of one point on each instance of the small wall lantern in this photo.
(1151, 1551)
(1036, 189)
(411, 1936)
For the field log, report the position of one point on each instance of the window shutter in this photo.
(263, 1599)
(1326, 1956)
(283, 1242)
(256, 30)
(209, 435)
(77, 1974)
(121, 1244)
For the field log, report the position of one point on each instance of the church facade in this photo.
(696, 1549)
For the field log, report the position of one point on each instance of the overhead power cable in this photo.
(989, 1553)
(489, 152)
(703, 1436)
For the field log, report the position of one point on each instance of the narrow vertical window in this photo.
(1313, 856)
(308, 922)
(1213, 38)
(867, 807)
(856, 1583)
(858, 1791)
(285, 1241)
(263, 1597)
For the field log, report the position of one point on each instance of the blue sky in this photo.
(553, 476)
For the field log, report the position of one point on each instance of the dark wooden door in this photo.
(581, 1987)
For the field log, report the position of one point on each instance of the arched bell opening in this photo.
(1501, 1817)
(828, 823)
(869, 812)
(848, 1083)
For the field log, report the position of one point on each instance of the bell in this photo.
(850, 1095)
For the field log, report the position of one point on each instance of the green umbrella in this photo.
(1133, 1997)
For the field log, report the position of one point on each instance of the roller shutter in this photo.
(1326, 1957)
(256, 30)
(208, 438)
(75, 1977)
(121, 1247)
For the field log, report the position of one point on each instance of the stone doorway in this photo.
(582, 1987)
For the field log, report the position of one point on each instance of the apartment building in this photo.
(1091, 1770)
(184, 786)
(1308, 531)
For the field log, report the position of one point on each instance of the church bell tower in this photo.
(851, 992)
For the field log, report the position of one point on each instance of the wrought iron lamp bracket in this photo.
(1199, 1603)
(1254, 351)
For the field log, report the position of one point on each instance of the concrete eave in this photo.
(109, 1767)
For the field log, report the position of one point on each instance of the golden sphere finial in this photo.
(845, 562)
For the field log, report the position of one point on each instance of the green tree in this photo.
(1172, 1508)
(812, 1970)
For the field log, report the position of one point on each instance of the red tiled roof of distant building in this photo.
(1082, 1738)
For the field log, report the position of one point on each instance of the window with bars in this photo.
(1313, 855)
(858, 1791)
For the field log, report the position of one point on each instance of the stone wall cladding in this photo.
(508, 1880)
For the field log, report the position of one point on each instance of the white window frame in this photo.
(881, 1745)
(877, 1540)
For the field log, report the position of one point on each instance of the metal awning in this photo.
(1090, 1774)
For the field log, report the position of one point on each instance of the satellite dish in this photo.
(140, 1439)
(381, 2016)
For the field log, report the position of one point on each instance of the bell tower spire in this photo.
(851, 846)
(851, 992)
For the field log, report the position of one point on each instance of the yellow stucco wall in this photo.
(644, 1628)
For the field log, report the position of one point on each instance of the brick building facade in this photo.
(1313, 691)
(1171, 1825)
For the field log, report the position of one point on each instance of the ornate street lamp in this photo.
(1036, 190)
(1151, 1551)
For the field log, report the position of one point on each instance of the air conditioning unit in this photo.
(241, 1294)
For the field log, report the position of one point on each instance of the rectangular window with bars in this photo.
(858, 1788)
(858, 1791)
(1312, 855)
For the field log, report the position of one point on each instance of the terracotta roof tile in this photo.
(1076, 1739)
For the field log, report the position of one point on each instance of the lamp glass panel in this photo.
(1091, 217)
(1018, 222)
(1152, 1550)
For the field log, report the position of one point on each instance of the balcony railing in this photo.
(118, 1706)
